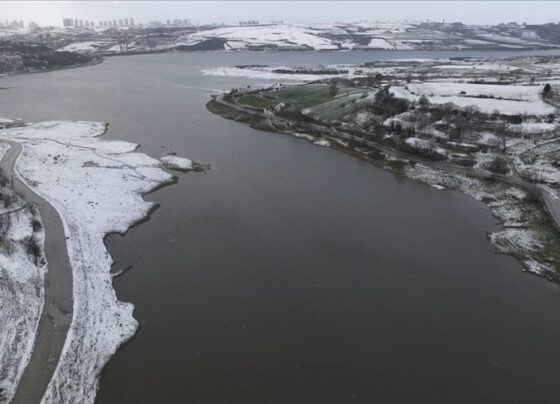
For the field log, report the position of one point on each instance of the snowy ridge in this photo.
(97, 188)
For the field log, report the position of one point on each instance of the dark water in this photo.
(292, 273)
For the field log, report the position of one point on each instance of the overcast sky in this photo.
(475, 12)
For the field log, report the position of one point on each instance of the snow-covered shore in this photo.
(21, 285)
(97, 187)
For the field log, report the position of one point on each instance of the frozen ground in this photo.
(97, 188)
(21, 285)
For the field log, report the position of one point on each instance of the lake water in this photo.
(291, 273)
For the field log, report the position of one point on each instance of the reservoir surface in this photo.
(293, 273)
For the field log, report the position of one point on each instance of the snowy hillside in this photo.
(269, 36)
(375, 35)
(364, 35)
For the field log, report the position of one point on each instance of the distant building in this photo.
(126, 22)
(68, 22)
(131, 22)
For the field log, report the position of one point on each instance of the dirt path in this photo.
(57, 313)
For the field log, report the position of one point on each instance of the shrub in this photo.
(499, 165)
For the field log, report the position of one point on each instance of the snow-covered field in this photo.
(282, 36)
(264, 73)
(88, 46)
(533, 127)
(507, 99)
(21, 286)
(97, 188)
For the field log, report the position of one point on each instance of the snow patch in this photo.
(180, 163)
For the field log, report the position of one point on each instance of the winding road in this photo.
(548, 199)
(57, 311)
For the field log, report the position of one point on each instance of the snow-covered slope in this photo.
(383, 35)
(270, 36)
(374, 35)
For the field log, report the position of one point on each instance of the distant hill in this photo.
(22, 57)
(374, 35)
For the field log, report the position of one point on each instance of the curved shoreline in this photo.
(98, 59)
(260, 120)
(101, 323)
(550, 204)
(56, 316)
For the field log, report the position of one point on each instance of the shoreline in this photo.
(98, 59)
(57, 286)
(404, 169)
(101, 323)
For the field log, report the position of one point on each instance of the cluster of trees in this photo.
(386, 104)
(403, 132)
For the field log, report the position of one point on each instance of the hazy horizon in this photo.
(231, 12)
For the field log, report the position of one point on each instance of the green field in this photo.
(303, 96)
(344, 104)
(256, 101)
(321, 102)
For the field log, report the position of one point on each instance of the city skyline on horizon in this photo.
(47, 13)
